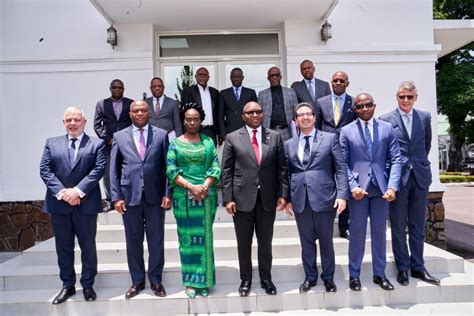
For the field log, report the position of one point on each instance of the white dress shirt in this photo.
(371, 127)
(206, 105)
(407, 119)
(136, 135)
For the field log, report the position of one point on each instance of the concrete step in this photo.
(115, 252)
(20, 277)
(455, 287)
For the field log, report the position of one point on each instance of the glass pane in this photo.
(218, 45)
(173, 72)
(255, 75)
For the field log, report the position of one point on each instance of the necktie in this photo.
(72, 150)
(255, 146)
(368, 139)
(408, 123)
(141, 145)
(306, 151)
(237, 95)
(157, 107)
(337, 110)
(311, 91)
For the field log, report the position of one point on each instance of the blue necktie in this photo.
(72, 150)
(368, 139)
(306, 151)
(236, 90)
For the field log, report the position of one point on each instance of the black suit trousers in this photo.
(245, 223)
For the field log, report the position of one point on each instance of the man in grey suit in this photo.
(254, 185)
(310, 89)
(318, 189)
(71, 167)
(332, 113)
(231, 104)
(163, 111)
(413, 130)
(141, 194)
(278, 105)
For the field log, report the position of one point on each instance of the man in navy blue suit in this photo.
(141, 194)
(368, 146)
(71, 167)
(318, 189)
(413, 130)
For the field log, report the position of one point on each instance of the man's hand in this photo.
(166, 203)
(230, 207)
(289, 209)
(120, 206)
(359, 193)
(71, 196)
(389, 195)
(281, 204)
(340, 204)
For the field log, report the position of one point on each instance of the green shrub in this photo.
(448, 178)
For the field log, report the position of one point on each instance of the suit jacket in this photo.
(321, 89)
(414, 151)
(130, 176)
(325, 114)
(290, 101)
(241, 174)
(191, 94)
(385, 151)
(230, 109)
(86, 171)
(105, 120)
(168, 119)
(322, 180)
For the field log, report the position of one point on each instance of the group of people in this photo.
(305, 150)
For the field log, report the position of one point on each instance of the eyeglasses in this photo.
(308, 114)
(339, 81)
(403, 97)
(116, 87)
(274, 75)
(366, 105)
(254, 112)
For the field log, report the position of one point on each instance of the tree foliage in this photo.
(186, 79)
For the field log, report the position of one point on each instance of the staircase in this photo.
(29, 282)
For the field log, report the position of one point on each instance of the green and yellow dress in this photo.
(195, 162)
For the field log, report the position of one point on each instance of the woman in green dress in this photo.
(193, 170)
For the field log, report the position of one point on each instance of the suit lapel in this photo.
(346, 106)
(82, 146)
(362, 138)
(66, 152)
(377, 133)
(398, 119)
(149, 141)
(265, 144)
(415, 125)
(296, 147)
(329, 111)
(131, 141)
(247, 145)
(198, 95)
(306, 91)
(316, 143)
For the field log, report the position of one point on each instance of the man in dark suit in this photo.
(231, 104)
(310, 88)
(71, 167)
(254, 185)
(332, 113)
(278, 104)
(413, 130)
(163, 111)
(368, 145)
(318, 189)
(111, 115)
(141, 194)
(206, 97)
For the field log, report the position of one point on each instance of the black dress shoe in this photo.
(384, 283)
(89, 294)
(330, 286)
(269, 287)
(63, 295)
(354, 284)
(425, 276)
(158, 289)
(244, 288)
(134, 290)
(402, 278)
(345, 234)
(307, 285)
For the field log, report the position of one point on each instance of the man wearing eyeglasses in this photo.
(111, 115)
(278, 104)
(254, 185)
(413, 130)
(318, 190)
(367, 146)
(310, 89)
(332, 113)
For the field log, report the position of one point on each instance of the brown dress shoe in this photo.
(134, 290)
(158, 289)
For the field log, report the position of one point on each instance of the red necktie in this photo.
(255, 146)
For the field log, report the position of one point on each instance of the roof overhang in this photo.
(218, 15)
(452, 34)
